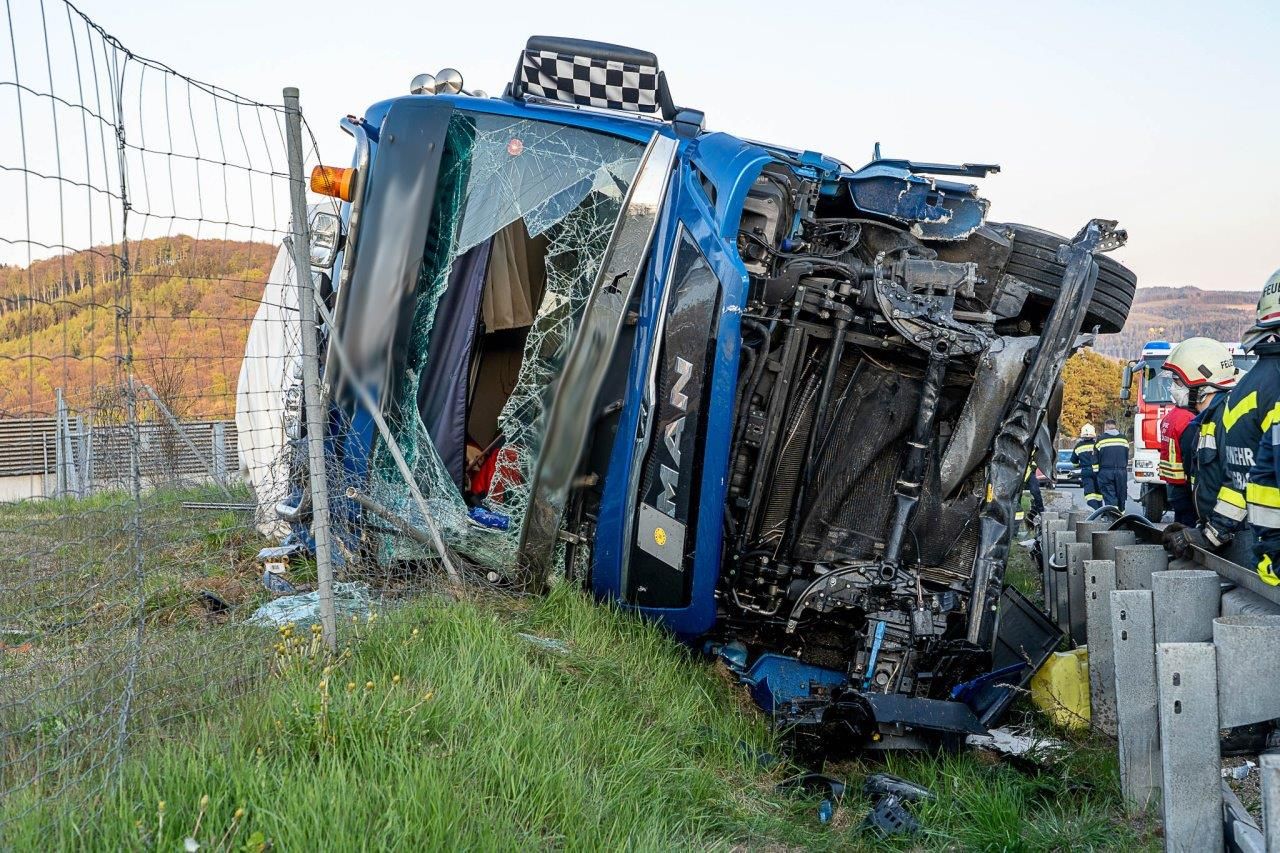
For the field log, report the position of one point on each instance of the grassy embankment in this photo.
(440, 724)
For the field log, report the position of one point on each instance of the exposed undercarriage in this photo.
(877, 370)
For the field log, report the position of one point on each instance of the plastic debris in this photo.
(1240, 773)
(829, 785)
(274, 581)
(491, 520)
(889, 816)
(545, 643)
(349, 599)
(1009, 742)
(889, 797)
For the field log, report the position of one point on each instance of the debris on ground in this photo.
(545, 643)
(890, 796)
(1239, 773)
(1019, 744)
(349, 599)
(832, 787)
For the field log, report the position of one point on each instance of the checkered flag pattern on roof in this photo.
(590, 82)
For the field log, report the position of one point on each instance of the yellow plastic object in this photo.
(1060, 688)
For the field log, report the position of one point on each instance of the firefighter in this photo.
(1230, 437)
(1200, 367)
(1113, 465)
(1086, 456)
(1262, 491)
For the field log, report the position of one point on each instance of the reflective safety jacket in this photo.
(1086, 456)
(1238, 429)
(1113, 451)
(1207, 472)
(1262, 494)
(1172, 461)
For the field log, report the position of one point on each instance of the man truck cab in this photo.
(780, 405)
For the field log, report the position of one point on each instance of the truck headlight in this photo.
(326, 235)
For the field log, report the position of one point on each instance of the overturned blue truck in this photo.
(781, 406)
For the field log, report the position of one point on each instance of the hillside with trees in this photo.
(62, 324)
(1090, 392)
(1176, 313)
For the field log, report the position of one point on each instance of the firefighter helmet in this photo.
(1269, 303)
(1203, 361)
(1087, 431)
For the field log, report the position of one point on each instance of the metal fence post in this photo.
(1133, 639)
(1187, 682)
(316, 420)
(219, 442)
(1099, 583)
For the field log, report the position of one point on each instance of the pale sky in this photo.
(1163, 115)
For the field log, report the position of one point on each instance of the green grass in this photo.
(439, 725)
(472, 736)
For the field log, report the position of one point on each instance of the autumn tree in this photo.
(1090, 392)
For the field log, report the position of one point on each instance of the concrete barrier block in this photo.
(1061, 583)
(1248, 668)
(1137, 721)
(1099, 583)
(1269, 767)
(1136, 563)
(1086, 529)
(1186, 603)
(1190, 763)
(1077, 554)
(1105, 542)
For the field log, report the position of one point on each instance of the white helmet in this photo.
(1203, 361)
(1087, 431)
(1269, 303)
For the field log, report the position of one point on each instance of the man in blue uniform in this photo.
(1086, 456)
(1113, 465)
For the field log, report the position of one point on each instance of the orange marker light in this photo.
(333, 181)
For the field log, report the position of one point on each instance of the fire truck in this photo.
(1153, 403)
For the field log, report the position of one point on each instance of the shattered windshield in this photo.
(523, 213)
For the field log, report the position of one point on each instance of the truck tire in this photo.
(1154, 503)
(1034, 261)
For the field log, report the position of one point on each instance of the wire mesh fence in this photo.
(149, 344)
(190, 436)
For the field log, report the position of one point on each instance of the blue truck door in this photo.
(658, 544)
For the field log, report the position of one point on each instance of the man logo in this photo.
(667, 475)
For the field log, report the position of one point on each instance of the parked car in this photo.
(1068, 472)
(777, 404)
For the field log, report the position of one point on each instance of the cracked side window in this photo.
(523, 214)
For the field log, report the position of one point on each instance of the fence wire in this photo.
(149, 342)
(158, 491)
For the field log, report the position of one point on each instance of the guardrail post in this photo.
(1189, 758)
(1136, 563)
(1248, 668)
(1077, 554)
(1048, 544)
(1137, 721)
(1084, 533)
(1185, 603)
(1105, 542)
(1099, 583)
(1061, 584)
(1269, 767)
